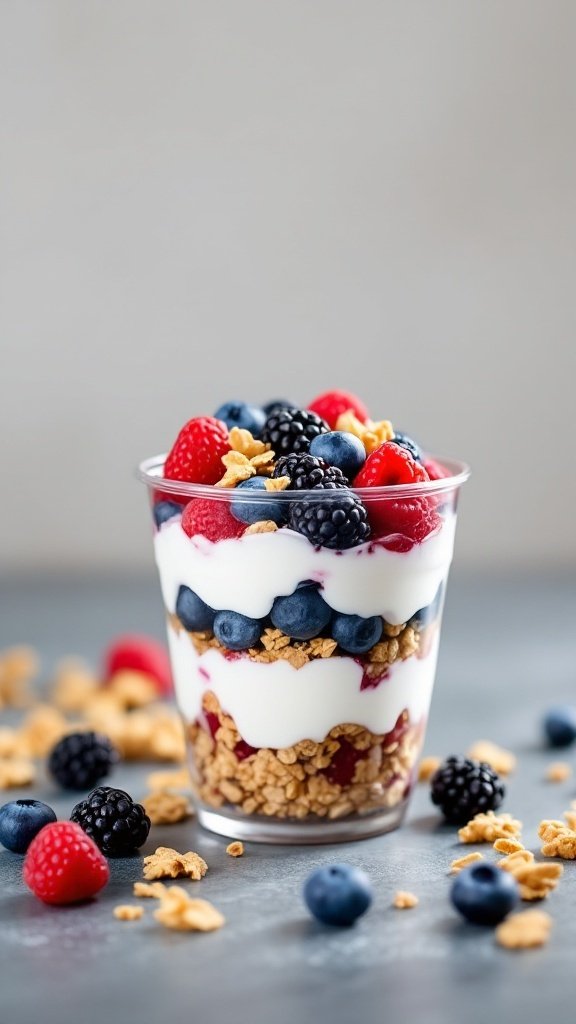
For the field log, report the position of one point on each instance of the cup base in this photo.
(297, 833)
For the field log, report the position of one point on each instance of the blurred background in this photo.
(267, 198)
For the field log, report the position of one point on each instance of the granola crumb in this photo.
(178, 911)
(558, 771)
(262, 526)
(508, 845)
(128, 912)
(559, 837)
(149, 890)
(427, 767)
(404, 900)
(463, 862)
(278, 483)
(168, 863)
(535, 880)
(500, 760)
(165, 808)
(485, 828)
(16, 772)
(526, 930)
(235, 849)
(179, 779)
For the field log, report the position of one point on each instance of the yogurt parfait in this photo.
(303, 555)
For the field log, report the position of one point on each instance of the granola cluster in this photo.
(352, 771)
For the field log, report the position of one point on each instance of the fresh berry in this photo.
(390, 464)
(302, 615)
(81, 759)
(341, 449)
(292, 430)
(276, 405)
(211, 519)
(136, 652)
(560, 726)
(240, 414)
(165, 510)
(193, 612)
(63, 865)
(20, 821)
(412, 518)
(196, 455)
(406, 442)
(235, 631)
(338, 894)
(308, 473)
(355, 634)
(462, 788)
(339, 520)
(266, 505)
(484, 894)
(425, 615)
(332, 404)
(110, 817)
(435, 469)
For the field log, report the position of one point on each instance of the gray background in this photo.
(204, 200)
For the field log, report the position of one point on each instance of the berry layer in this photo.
(277, 705)
(246, 574)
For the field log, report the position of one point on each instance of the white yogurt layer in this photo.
(276, 705)
(246, 574)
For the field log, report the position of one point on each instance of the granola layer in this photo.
(352, 771)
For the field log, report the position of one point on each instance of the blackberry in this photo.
(292, 430)
(462, 788)
(309, 473)
(80, 760)
(338, 520)
(110, 817)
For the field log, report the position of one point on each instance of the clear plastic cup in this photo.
(303, 724)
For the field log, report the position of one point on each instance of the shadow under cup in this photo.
(303, 673)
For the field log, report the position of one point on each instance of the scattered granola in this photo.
(463, 862)
(179, 779)
(177, 910)
(133, 689)
(235, 849)
(405, 900)
(559, 837)
(535, 880)
(19, 666)
(149, 890)
(166, 808)
(262, 526)
(128, 912)
(500, 760)
(427, 767)
(74, 686)
(168, 863)
(485, 828)
(525, 930)
(15, 772)
(558, 771)
(508, 845)
(42, 727)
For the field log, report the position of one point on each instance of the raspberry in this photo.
(138, 653)
(331, 404)
(390, 464)
(211, 519)
(435, 470)
(196, 455)
(63, 865)
(414, 518)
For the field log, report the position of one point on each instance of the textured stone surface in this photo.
(508, 650)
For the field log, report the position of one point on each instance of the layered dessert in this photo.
(303, 555)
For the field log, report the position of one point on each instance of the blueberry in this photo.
(560, 726)
(254, 511)
(341, 449)
(21, 820)
(406, 442)
(427, 614)
(240, 414)
(355, 634)
(193, 612)
(338, 894)
(165, 510)
(484, 893)
(235, 631)
(302, 615)
(277, 405)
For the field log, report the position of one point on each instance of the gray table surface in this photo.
(508, 651)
